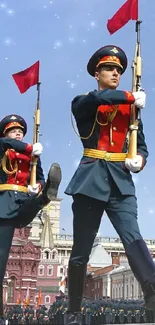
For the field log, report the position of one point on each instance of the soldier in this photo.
(20, 202)
(53, 313)
(121, 312)
(40, 313)
(26, 314)
(103, 181)
(31, 315)
(20, 313)
(88, 313)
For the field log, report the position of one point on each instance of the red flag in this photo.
(27, 78)
(39, 298)
(19, 298)
(128, 11)
(27, 299)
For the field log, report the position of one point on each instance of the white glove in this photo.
(33, 190)
(37, 149)
(135, 164)
(140, 99)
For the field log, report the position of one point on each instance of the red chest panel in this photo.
(23, 161)
(119, 128)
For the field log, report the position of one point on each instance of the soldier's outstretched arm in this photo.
(86, 105)
(141, 144)
(19, 146)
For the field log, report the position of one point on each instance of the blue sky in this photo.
(63, 34)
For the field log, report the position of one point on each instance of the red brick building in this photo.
(32, 268)
(94, 287)
(100, 263)
(21, 273)
(50, 269)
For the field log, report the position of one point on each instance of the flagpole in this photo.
(36, 134)
(136, 85)
(37, 113)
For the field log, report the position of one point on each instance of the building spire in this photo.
(46, 238)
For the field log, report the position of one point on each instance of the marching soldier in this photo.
(108, 314)
(26, 314)
(31, 315)
(103, 180)
(40, 313)
(121, 312)
(88, 313)
(20, 202)
(113, 312)
(142, 312)
(20, 314)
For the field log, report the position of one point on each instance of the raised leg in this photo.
(33, 205)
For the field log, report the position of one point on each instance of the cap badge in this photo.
(114, 50)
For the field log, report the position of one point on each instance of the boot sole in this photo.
(54, 178)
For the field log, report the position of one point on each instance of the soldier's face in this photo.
(15, 133)
(108, 77)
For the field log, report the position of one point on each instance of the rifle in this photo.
(136, 85)
(36, 134)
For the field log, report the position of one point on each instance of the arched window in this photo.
(50, 270)
(54, 254)
(41, 270)
(46, 255)
(10, 289)
(42, 256)
(47, 299)
(61, 270)
(35, 299)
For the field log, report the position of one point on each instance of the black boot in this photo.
(76, 280)
(143, 268)
(72, 318)
(53, 181)
(149, 295)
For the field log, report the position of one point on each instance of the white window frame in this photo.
(50, 267)
(41, 267)
(56, 254)
(47, 302)
(44, 254)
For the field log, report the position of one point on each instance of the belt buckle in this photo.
(15, 187)
(107, 156)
